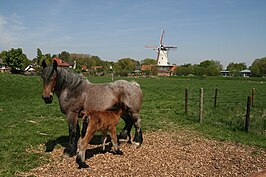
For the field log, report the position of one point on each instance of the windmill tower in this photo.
(162, 53)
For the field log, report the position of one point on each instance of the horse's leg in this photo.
(138, 138)
(129, 123)
(80, 159)
(104, 138)
(74, 134)
(112, 132)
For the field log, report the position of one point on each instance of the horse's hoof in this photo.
(65, 156)
(123, 134)
(137, 144)
(138, 137)
(81, 163)
(123, 141)
(103, 151)
(118, 152)
(68, 153)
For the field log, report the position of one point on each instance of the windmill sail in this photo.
(162, 52)
(162, 58)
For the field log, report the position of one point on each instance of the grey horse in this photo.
(77, 95)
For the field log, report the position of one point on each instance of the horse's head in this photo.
(49, 76)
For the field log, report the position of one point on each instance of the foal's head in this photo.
(49, 74)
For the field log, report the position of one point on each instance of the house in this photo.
(97, 68)
(166, 70)
(84, 68)
(173, 68)
(29, 70)
(62, 63)
(146, 67)
(225, 73)
(3, 67)
(137, 71)
(162, 70)
(245, 73)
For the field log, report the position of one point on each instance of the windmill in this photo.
(162, 52)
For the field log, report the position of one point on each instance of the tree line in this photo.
(16, 59)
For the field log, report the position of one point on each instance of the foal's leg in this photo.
(127, 129)
(74, 134)
(112, 132)
(104, 138)
(80, 159)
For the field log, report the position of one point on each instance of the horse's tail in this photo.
(134, 83)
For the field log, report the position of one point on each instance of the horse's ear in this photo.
(44, 64)
(55, 64)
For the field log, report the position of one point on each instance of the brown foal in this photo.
(105, 122)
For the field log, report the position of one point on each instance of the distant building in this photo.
(245, 73)
(97, 68)
(62, 63)
(84, 68)
(3, 67)
(30, 70)
(225, 73)
(166, 70)
(146, 67)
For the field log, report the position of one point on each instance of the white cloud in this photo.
(6, 38)
(11, 30)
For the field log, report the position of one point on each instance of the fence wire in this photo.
(230, 109)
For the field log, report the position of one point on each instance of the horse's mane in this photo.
(65, 78)
(68, 79)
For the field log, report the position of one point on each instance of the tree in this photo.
(258, 67)
(47, 57)
(148, 61)
(184, 70)
(210, 68)
(65, 56)
(14, 58)
(206, 67)
(125, 66)
(39, 56)
(235, 68)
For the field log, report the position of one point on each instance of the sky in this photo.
(222, 30)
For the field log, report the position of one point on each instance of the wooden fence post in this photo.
(247, 123)
(186, 100)
(215, 97)
(201, 106)
(252, 97)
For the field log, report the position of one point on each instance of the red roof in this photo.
(146, 67)
(173, 68)
(61, 63)
(84, 67)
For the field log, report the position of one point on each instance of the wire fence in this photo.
(226, 107)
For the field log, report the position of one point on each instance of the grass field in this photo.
(26, 122)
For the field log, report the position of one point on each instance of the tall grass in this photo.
(26, 122)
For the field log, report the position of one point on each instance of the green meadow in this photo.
(27, 122)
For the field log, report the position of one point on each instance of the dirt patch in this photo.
(162, 154)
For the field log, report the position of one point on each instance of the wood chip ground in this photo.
(161, 154)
